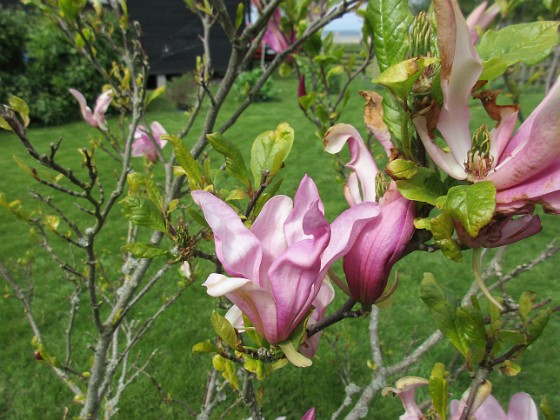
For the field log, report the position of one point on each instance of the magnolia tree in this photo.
(444, 187)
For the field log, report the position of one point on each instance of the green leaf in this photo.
(219, 363)
(235, 164)
(335, 71)
(400, 77)
(146, 250)
(269, 151)
(255, 366)
(425, 186)
(143, 212)
(205, 347)
(224, 329)
(536, 327)
(21, 107)
(438, 389)
(553, 6)
(71, 8)
(239, 15)
(390, 20)
(526, 302)
(470, 326)
(230, 375)
(401, 169)
(472, 205)
(442, 230)
(443, 312)
(528, 43)
(307, 100)
(4, 125)
(154, 94)
(198, 217)
(186, 160)
(509, 368)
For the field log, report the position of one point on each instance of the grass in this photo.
(29, 390)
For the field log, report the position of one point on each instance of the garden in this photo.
(133, 287)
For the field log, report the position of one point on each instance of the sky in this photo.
(349, 22)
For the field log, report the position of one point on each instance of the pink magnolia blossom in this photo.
(277, 40)
(368, 263)
(521, 407)
(144, 145)
(524, 167)
(309, 415)
(485, 406)
(277, 267)
(96, 118)
(480, 18)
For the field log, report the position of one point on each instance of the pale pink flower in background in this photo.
(481, 18)
(144, 145)
(368, 263)
(278, 266)
(96, 118)
(521, 407)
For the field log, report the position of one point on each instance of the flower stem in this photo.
(476, 267)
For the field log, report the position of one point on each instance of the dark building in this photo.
(171, 36)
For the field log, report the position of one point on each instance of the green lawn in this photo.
(28, 389)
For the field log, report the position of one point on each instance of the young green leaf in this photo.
(205, 347)
(186, 160)
(21, 107)
(143, 212)
(235, 164)
(401, 169)
(146, 250)
(224, 329)
(438, 389)
(269, 151)
(425, 186)
(472, 205)
(400, 77)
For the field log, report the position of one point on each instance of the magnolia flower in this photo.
(485, 406)
(146, 145)
(525, 167)
(521, 407)
(277, 40)
(480, 18)
(96, 118)
(277, 267)
(368, 263)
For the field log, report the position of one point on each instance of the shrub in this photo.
(248, 79)
(38, 64)
(181, 91)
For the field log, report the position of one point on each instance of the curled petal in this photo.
(84, 108)
(220, 285)
(460, 69)
(361, 162)
(308, 215)
(502, 232)
(309, 415)
(236, 247)
(157, 132)
(481, 17)
(446, 161)
(235, 318)
(101, 106)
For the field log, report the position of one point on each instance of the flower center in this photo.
(479, 161)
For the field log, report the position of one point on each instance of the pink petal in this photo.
(235, 318)
(446, 161)
(84, 109)
(258, 305)
(295, 282)
(481, 18)
(269, 230)
(345, 230)
(308, 214)
(522, 407)
(324, 298)
(541, 188)
(460, 69)
(351, 190)
(361, 162)
(236, 247)
(534, 146)
(490, 409)
(157, 132)
(368, 263)
(309, 415)
(501, 134)
(101, 107)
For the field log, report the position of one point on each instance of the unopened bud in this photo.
(37, 355)
(420, 35)
(381, 185)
